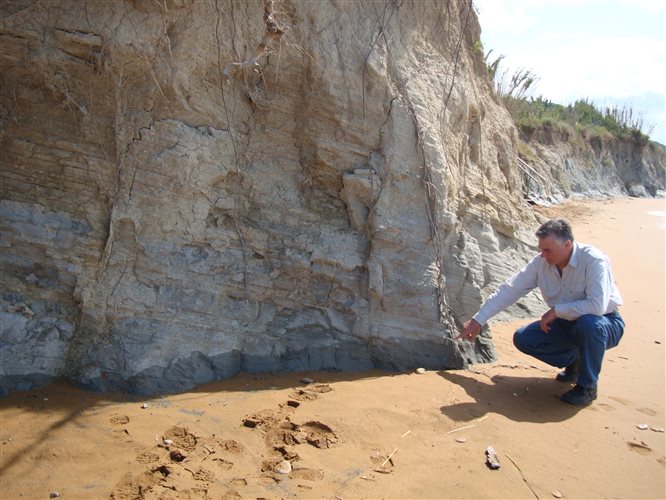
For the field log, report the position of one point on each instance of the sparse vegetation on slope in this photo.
(582, 117)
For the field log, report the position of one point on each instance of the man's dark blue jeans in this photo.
(588, 337)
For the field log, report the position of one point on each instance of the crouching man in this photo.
(576, 282)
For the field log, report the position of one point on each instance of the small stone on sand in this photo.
(420, 371)
(144, 405)
(657, 429)
(492, 460)
(643, 427)
(557, 494)
(461, 440)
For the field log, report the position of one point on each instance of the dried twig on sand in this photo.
(460, 428)
(522, 475)
(389, 457)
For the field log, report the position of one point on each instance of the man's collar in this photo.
(573, 260)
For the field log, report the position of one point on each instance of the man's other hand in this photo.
(547, 319)
(470, 331)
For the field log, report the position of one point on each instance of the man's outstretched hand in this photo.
(470, 331)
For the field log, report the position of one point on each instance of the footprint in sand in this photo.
(311, 393)
(381, 464)
(319, 435)
(119, 419)
(282, 435)
(147, 457)
(212, 444)
(291, 434)
(173, 467)
(264, 419)
(222, 463)
(302, 395)
(286, 433)
(204, 475)
(320, 388)
(130, 488)
(181, 437)
(231, 446)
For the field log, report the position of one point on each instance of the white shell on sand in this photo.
(657, 429)
(144, 405)
(557, 494)
(420, 371)
(283, 467)
(461, 440)
(643, 426)
(168, 442)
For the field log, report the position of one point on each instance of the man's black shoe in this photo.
(580, 395)
(570, 373)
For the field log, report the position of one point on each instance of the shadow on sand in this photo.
(522, 399)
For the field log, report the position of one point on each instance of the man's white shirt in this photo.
(585, 287)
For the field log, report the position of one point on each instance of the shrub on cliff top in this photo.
(583, 116)
(531, 113)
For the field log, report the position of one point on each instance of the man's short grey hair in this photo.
(558, 228)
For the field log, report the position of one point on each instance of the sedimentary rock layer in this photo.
(193, 188)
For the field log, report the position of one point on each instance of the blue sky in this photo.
(612, 52)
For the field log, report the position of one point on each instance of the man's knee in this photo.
(588, 320)
(519, 339)
(527, 338)
(589, 323)
(591, 327)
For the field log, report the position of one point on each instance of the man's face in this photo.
(555, 252)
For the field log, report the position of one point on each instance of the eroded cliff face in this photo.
(191, 188)
(561, 165)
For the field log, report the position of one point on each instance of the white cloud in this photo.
(611, 66)
(579, 66)
(655, 6)
(505, 17)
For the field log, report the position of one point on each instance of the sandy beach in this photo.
(377, 434)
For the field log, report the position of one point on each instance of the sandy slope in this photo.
(340, 431)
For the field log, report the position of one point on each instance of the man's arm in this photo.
(509, 292)
(519, 285)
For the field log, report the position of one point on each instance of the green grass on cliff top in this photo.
(583, 117)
